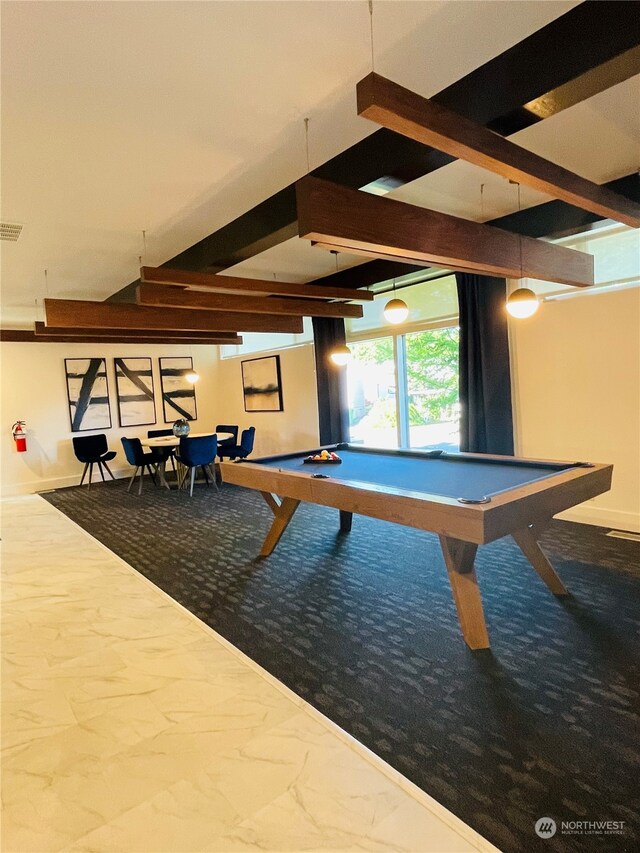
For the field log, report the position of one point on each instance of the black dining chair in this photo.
(93, 450)
(162, 453)
(198, 452)
(242, 450)
(233, 438)
(136, 456)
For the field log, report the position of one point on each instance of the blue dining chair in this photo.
(136, 456)
(93, 450)
(198, 452)
(242, 450)
(233, 438)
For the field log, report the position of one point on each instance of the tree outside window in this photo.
(431, 364)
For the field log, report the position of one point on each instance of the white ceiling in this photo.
(177, 117)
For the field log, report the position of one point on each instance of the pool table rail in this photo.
(520, 511)
(542, 499)
(479, 523)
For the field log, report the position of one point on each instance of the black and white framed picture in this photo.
(261, 384)
(134, 387)
(88, 393)
(178, 394)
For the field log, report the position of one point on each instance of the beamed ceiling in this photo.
(186, 121)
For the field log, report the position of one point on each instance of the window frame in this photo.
(398, 335)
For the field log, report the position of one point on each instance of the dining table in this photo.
(172, 441)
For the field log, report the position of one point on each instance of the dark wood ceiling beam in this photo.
(405, 255)
(499, 94)
(75, 313)
(551, 219)
(365, 275)
(551, 57)
(255, 286)
(159, 296)
(559, 219)
(148, 334)
(609, 73)
(29, 336)
(426, 121)
(361, 223)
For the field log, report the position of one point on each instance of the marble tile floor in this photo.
(129, 725)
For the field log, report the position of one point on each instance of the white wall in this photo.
(295, 428)
(576, 376)
(576, 380)
(34, 389)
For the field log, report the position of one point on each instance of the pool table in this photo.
(468, 499)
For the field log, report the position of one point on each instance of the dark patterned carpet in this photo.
(363, 626)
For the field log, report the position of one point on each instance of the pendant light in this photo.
(522, 302)
(341, 355)
(192, 375)
(396, 310)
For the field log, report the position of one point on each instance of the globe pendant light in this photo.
(341, 355)
(192, 375)
(522, 303)
(396, 310)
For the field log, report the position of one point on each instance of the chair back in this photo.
(156, 433)
(200, 450)
(89, 448)
(133, 451)
(246, 440)
(232, 428)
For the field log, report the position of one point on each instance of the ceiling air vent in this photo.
(10, 231)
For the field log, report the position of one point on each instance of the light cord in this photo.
(371, 32)
(306, 138)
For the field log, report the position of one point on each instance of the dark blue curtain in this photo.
(333, 410)
(486, 421)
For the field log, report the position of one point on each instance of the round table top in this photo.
(174, 440)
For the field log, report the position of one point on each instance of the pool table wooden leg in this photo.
(458, 558)
(283, 511)
(346, 520)
(527, 543)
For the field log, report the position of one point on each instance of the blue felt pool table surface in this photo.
(450, 475)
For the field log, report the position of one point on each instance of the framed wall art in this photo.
(88, 393)
(261, 384)
(135, 394)
(178, 395)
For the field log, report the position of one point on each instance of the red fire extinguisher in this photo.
(20, 436)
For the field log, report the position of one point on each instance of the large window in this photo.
(371, 382)
(432, 388)
(403, 390)
(259, 342)
(403, 381)
(616, 253)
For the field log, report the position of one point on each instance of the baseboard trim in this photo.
(602, 517)
(46, 485)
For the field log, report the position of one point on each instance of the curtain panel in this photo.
(486, 420)
(333, 407)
